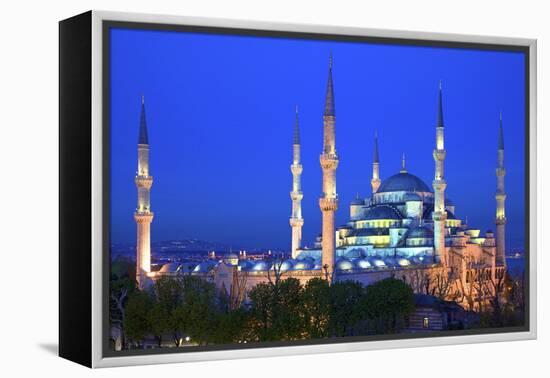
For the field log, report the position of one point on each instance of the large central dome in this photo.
(403, 182)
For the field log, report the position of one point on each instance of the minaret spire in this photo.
(329, 163)
(143, 214)
(439, 214)
(375, 180)
(500, 197)
(296, 128)
(143, 137)
(440, 122)
(329, 98)
(296, 195)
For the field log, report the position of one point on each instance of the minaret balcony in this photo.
(328, 203)
(439, 155)
(500, 220)
(296, 222)
(439, 185)
(296, 169)
(144, 181)
(329, 161)
(439, 216)
(501, 172)
(143, 216)
(499, 196)
(296, 196)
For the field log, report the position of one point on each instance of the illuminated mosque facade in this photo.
(404, 228)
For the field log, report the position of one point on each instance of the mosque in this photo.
(405, 229)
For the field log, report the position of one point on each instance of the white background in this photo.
(29, 189)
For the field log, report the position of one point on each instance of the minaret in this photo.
(143, 215)
(329, 162)
(500, 197)
(439, 185)
(296, 220)
(375, 180)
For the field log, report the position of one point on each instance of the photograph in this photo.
(278, 189)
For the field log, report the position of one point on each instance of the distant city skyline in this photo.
(220, 114)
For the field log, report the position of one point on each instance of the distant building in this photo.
(433, 314)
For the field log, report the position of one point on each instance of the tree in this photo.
(199, 311)
(261, 310)
(317, 307)
(117, 303)
(288, 322)
(121, 286)
(168, 295)
(386, 303)
(159, 319)
(345, 314)
(136, 321)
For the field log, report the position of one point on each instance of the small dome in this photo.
(390, 261)
(245, 264)
(382, 212)
(303, 265)
(344, 264)
(287, 265)
(170, 268)
(232, 256)
(261, 265)
(401, 261)
(186, 267)
(421, 232)
(403, 182)
(204, 267)
(363, 264)
(410, 197)
(377, 262)
(317, 265)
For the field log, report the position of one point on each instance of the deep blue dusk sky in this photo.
(220, 113)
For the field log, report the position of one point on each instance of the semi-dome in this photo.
(382, 212)
(403, 182)
(355, 253)
(421, 232)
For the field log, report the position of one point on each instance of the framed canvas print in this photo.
(234, 189)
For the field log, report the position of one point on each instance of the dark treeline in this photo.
(190, 308)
